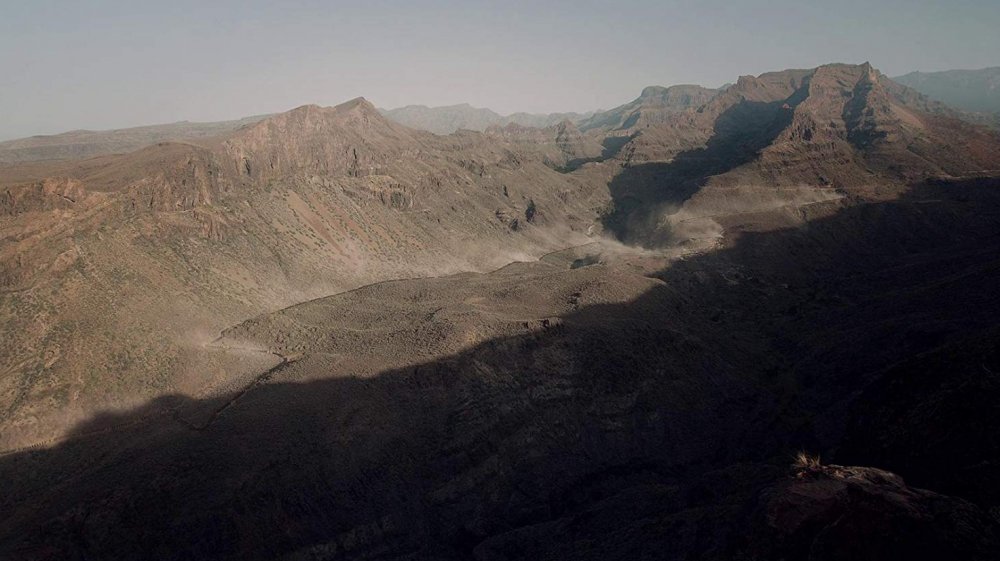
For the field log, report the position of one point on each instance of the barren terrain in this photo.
(326, 335)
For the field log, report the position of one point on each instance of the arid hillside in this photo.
(782, 139)
(116, 270)
(326, 335)
(596, 404)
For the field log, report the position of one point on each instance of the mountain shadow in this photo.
(643, 193)
(657, 428)
(610, 146)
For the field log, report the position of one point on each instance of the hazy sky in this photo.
(108, 64)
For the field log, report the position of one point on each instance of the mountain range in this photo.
(973, 93)
(450, 118)
(326, 334)
(971, 90)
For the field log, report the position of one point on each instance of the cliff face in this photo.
(772, 141)
(653, 106)
(47, 194)
(562, 145)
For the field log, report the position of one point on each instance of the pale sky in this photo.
(104, 64)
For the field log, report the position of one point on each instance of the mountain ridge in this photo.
(88, 143)
(975, 92)
(447, 119)
(327, 335)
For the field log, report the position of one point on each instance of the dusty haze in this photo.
(112, 64)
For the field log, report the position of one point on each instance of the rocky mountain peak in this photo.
(358, 104)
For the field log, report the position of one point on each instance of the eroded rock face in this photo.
(771, 143)
(48, 194)
(846, 513)
(655, 105)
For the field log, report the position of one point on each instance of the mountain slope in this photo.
(117, 270)
(87, 144)
(619, 410)
(445, 119)
(561, 145)
(797, 135)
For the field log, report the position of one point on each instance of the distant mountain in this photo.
(87, 143)
(975, 92)
(971, 90)
(445, 119)
(653, 106)
(542, 120)
(561, 146)
(450, 118)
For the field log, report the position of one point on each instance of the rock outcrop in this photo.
(830, 512)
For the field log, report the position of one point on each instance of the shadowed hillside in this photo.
(117, 269)
(590, 412)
